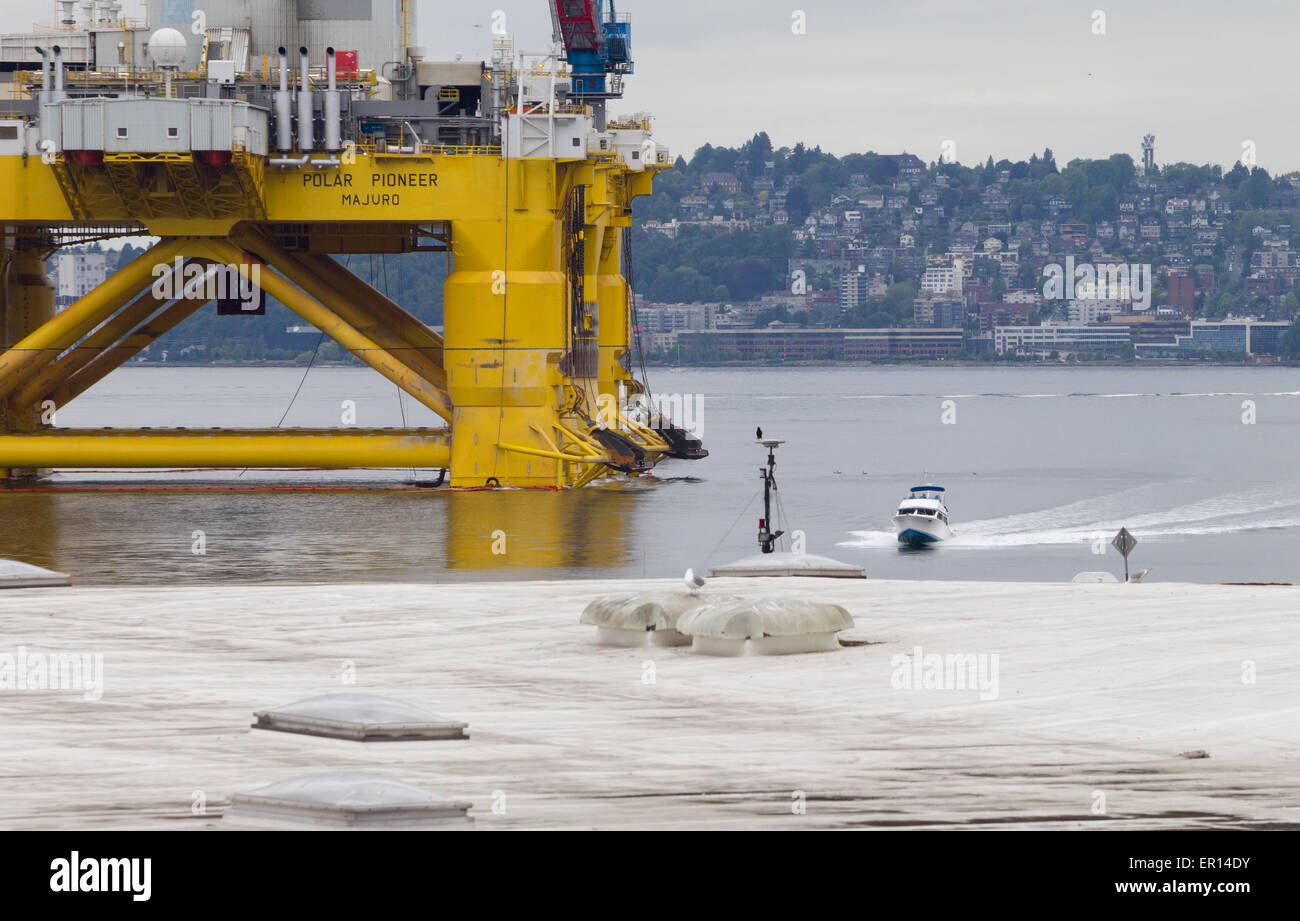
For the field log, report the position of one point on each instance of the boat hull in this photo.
(920, 530)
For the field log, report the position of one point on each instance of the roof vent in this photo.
(765, 626)
(643, 619)
(360, 717)
(14, 574)
(344, 799)
(783, 563)
(1094, 577)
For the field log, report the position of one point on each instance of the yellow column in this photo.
(504, 313)
(611, 296)
(26, 304)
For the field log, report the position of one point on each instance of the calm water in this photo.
(1038, 461)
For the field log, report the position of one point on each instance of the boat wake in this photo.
(1084, 521)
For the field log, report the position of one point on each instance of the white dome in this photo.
(364, 717)
(345, 799)
(167, 48)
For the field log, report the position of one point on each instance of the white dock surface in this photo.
(1101, 688)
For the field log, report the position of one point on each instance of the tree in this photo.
(797, 204)
(1254, 192)
(758, 151)
(1290, 345)
(772, 315)
(751, 278)
(899, 297)
(1236, 176)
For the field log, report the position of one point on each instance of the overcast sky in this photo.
(999, 77)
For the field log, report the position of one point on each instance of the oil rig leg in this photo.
(504, 310)
(26, 304)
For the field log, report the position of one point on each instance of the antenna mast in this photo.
(766, 536)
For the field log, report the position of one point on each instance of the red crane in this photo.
(577, 24)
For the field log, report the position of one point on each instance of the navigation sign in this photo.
(1124, 542)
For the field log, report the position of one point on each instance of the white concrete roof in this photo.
(14, 574)
(1101, 687)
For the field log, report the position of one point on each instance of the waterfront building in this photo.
(1231, 336)
(1043, 340)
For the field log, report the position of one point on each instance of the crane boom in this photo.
(597, 44)
(577, 24)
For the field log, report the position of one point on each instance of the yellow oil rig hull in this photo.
(533, 368)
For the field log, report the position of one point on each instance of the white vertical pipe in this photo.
(306, 131)
(284, 108)
(58, 93)
(333, 118)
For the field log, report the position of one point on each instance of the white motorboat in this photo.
(922, 517)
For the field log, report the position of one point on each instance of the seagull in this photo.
(693, 582)
(758, 434)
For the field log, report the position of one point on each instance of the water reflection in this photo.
(149, 532)
(533, 529)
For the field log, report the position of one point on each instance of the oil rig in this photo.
(256, 140)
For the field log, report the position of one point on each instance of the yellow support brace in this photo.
(329, 323)
(359, 315)
(55, 376)
(402, 323)
(128, 448)
(123, 351)
(40, 348)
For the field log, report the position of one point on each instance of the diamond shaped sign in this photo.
(1124, 542)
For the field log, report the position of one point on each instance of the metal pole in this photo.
(767, 535)
(767, 496)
